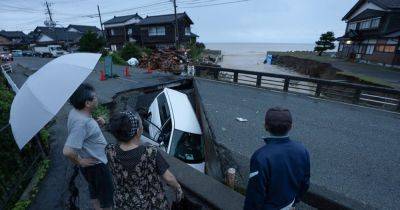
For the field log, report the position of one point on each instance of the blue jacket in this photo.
(279, 174)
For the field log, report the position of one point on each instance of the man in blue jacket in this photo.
(280, 170)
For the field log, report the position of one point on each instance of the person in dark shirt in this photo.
(280, 170)
(137, 169)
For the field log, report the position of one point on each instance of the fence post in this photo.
(258, 84)
(286, 85)
(235, 77)
(398, 106)
(357, 95)
(216, 74)
(318, 90)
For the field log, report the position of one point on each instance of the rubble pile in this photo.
(164, 60)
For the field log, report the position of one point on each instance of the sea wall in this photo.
(307, 67)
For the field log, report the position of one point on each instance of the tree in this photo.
(325, 42)
(91, 42)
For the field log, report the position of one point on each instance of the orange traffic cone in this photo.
(126, 72)
(149, 70)
(102, 76)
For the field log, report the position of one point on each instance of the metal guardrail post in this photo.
(258, 83)
(286, 85)
(357, 95)
(235, 77)
(318, 90)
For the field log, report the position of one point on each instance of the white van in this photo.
(173, 126)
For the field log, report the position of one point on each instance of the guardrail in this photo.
(366, 95)
(5, 69)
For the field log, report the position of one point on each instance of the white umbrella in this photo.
(45, 92)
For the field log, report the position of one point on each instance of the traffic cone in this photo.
(149, 70)
(102, 76)
(126, 73)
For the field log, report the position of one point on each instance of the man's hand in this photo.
(85, 162)
(100, 121)
(179, 194)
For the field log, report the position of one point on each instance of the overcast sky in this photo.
(279, 21)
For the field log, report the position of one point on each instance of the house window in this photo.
(366, 24)
(352, 26)
(390, 48)
(112, 32)
(375, 22)
(187, 31)
(130, 31)
(370, 49)
(380, 48)
(157, 31)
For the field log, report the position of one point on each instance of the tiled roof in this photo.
(57, 33)
(122, 19)
(385, 4)
(84, 29)
(12, 34)
(368, 14)
(160, 19)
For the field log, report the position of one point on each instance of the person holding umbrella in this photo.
(85, 146)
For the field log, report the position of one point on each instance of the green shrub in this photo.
(131, 50)
(91, 42)
(195, 50)
(22, 205)
(117, 59)
(101, 111)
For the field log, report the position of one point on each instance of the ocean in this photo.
(250, 56)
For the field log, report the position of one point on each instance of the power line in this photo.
(209, 5)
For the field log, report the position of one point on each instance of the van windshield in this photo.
(187, 147)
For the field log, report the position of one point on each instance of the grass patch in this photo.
(365, 79)
(325, 58)
(39, 176)
(101, 111)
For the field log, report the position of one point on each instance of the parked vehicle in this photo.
(6, 56)
(27, 53)
(50, 51)
(16, 53)
(173, 126)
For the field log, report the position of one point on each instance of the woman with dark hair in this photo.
(137, 169)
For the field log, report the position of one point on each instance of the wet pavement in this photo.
(354, 150)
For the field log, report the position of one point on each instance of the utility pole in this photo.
(49, 13)
(101, 23)
(176, 27)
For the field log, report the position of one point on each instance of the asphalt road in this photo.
(354, 150)
(389, 75)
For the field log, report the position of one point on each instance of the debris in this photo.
(164, 60)
(241, 119)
